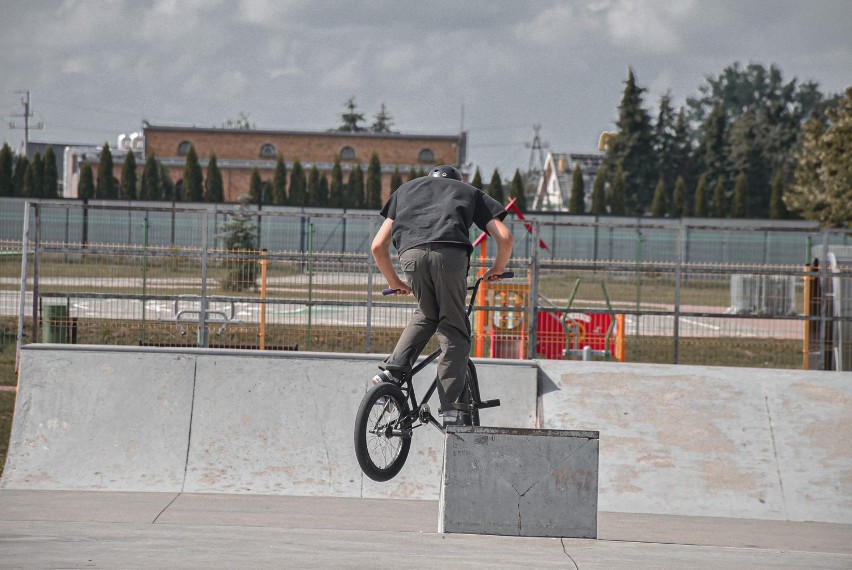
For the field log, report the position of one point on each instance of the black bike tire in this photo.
(473, 392)
(362, 419)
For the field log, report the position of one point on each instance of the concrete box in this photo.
(520, 482)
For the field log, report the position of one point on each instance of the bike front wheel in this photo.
(380, 445)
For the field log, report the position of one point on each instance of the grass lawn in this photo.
(7, 399)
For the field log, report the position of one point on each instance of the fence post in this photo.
(678, 274)
(25, 245)
(533, 308)
(36, 243)
(824, 359)
(202, 313)
(370, 263)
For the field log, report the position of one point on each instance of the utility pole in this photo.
(536, 165)
(25, 100)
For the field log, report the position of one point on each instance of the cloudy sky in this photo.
(98, 68)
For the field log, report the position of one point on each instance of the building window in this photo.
(426, 155)
(347, 153)
(183, 147)
(267, 151)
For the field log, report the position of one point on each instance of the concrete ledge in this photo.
(520, 482)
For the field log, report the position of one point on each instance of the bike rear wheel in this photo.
(380, 446)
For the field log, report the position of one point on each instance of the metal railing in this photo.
(174, 284)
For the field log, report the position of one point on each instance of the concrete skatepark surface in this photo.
(186, 458)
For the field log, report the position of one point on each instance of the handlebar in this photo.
(506, 275)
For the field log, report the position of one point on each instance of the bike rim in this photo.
(382, 446)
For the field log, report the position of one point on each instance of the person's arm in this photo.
(381, 253)
(503, 237)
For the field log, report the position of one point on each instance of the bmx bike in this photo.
(390, 412)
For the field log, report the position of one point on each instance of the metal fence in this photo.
(635, 290)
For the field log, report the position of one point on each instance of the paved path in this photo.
(64, 529)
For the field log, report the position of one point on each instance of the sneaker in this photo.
(385, 376)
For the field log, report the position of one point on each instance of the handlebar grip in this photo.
(388, 292)
(507, 275)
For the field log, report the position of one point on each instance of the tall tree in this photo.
(412, 174)
(822, 188)
(106, 188)
(718, 208)
(712, 151)
(659, 207)
(517, 191)
(150, 185)
(314, 197)
(739, 206)
(599, 193)
(323, 191)
(36, 183)
(383, 122)
(30, 189)
(7, 187)
(193, 180)
(214, 187)
(665, 141)
(680, 155)
(336, 190)
(355, 188)
(168, 189)
(86, 184)
(298, 184)
(777, 209)
(396, 179)
(747, 154)
(577, 201)
(617, 202)
(22, 163)
(477, 180)
(50, 179)
(680, 207)
(631, 149)
(255, 187)
(495, 187)
(279, 182)
(699, 209)
(351, 118)
(374, 183)
(127, 186)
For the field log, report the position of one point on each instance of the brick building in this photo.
(239, 151)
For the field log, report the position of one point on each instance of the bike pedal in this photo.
(489, 404)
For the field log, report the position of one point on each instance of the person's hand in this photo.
(399, 287)
(493, 274)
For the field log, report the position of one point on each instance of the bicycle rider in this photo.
(427, 220)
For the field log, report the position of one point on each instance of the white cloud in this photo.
(648, 25)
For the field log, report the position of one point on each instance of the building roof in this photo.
(331, 133)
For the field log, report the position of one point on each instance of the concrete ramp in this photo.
(711, 441)
(134, 419)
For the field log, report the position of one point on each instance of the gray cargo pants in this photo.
(438, 279)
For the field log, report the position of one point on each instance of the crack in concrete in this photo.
(775, 451)
(324, 441)
(565, 550)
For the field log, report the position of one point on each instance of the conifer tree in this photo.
(86, 184)
(477, 179)
(664, 141)
(279, 182)
(30, 190)
(21, 165)
(632, 148)
(712, 151)
(517, 191)
(323, 191)
(412, 174)
(214, 187)
(128, 177)
(383, 121)
(777, 209)
(495, 187)
(255, 187)
(617, 202)
(298, 184)
(680, 209)
(374, 183)
(599, 194)
(50, 179)
(314, 198)
(739, 207)
(659, 206)
(36, 189)
(351, 119)
(7, 187)
(680, 156)
(718, 208)
(168, 190)
(336, 191)
(576, 203)
(105, 189)
(150, 186)
(396, 180)
(355, 188)
(700, 202)
(193, 181)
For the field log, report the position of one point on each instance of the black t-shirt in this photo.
(431, 209)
